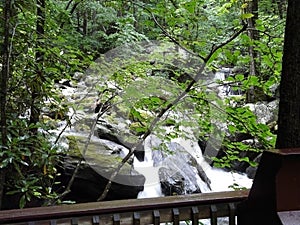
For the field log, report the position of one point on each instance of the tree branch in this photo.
(72, 10)
(171, 104)
(233, 36)
(68, 5)
(102, 111)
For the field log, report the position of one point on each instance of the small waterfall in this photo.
(152, 186)
(226, 90)
(220, 180)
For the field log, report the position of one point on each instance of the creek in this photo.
(170, 159)
(164, 163)
(183, 170)
(220, 179)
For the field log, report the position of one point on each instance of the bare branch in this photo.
(166, 33)
(171, 104)
(233, 36)
(68, 5)
(102, 111)
(72, 10)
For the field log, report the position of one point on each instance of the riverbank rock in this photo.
(99, 161)
(180, 173)
(89, 184)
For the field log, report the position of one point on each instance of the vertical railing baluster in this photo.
(156, 217)
(213, 215)
(195, 212)
(175, 212)
(136, 218)
(74, 221)
(231, 207)
(95, 220)
(52, 222)
(116, 219)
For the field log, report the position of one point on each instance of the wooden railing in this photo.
(274, 199)
(135, 211)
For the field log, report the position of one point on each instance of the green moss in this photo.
(97, 154)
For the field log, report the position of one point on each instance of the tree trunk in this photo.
(281, 5)
(289, 105)
(85, 24)
(39, 58)
(71, 12)
(253, 35)
(3, 82)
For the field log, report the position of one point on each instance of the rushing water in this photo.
(221, 180)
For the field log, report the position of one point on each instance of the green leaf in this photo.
(232, 129)
(22, 201)
(239, 77)
(37, 194)
(247, 16)
(253, 81)
(12, 192)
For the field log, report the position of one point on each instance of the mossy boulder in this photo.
(98, 161)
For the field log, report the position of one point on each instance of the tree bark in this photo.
(39, 58)
(281, 5)
(253, 35)
(3, 93)
(85, 24)
(289, 105)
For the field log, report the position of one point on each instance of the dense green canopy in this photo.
(48, 41)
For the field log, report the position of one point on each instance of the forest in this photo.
(150, 60)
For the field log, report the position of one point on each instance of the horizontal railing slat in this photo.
(146, 217)
(145, 207)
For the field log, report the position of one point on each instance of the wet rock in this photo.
(99, 161)
(172, 182)
(266, 112)
(180, 173)
(109, 132)
(89, 183)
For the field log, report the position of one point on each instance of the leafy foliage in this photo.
(77, 32)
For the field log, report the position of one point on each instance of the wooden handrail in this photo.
(274, 192)
(275, 189)
(133, 209)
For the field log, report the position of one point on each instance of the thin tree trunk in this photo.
(3, 94)
(253, 35)
(39, 58)
(281, 5)
(71, 11)
(85, 24)
(289, 105)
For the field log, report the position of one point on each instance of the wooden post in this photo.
(275, 189)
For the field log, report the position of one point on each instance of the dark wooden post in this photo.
(275, 190)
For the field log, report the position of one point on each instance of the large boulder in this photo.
(99, 161)
(180, 173)
(89, 184)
